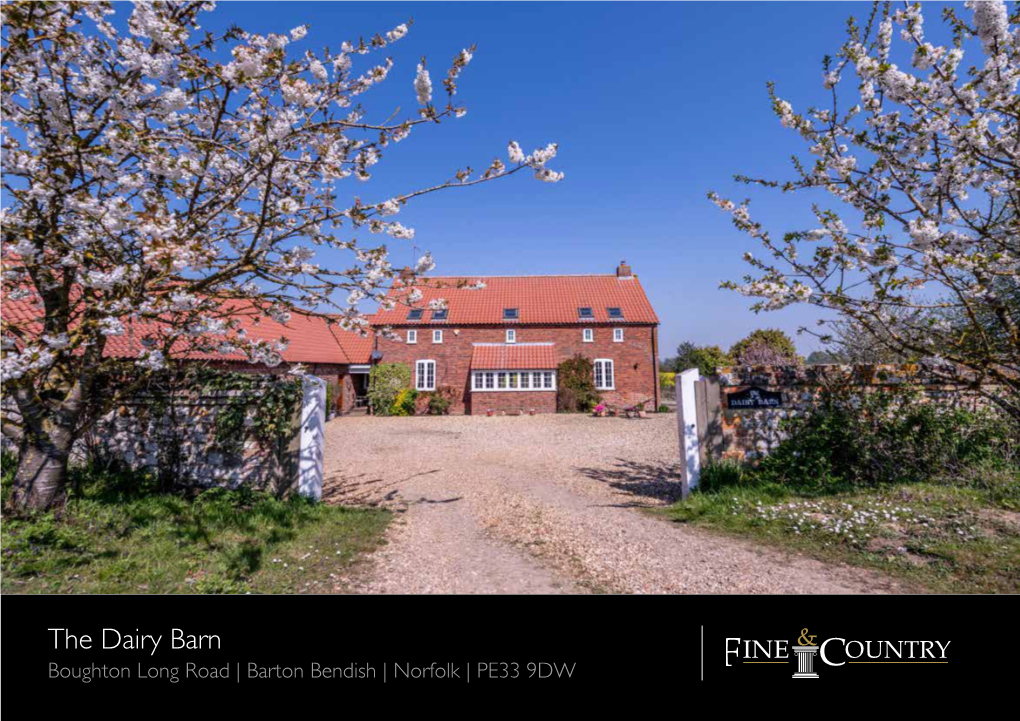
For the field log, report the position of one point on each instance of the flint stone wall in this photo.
(145, 433)
(751, 433)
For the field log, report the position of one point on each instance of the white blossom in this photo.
(423, 85)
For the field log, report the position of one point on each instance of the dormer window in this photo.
(585, 313)
(509, 314)
(414, 314)
(615, 312)
(439, 314)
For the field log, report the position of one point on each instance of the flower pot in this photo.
(490, 413)
(531, 412)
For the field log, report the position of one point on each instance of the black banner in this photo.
(73, 650)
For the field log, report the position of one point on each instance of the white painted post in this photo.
(313, 426)
(687, 418)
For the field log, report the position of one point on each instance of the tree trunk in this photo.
(41, 480)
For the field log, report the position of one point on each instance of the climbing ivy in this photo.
(274, 404)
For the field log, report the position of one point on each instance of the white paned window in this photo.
(437, 336)
(488, 381)
(511, 335)
(618, 335)
(604, 376)
(425, 375)
(588, 335)
(412, 336)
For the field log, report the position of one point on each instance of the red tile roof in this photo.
(513, 356)
(312, 339)
(543, 300)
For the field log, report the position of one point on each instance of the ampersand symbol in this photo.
(810, 639)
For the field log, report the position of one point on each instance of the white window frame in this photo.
(588, 335)
(421, 375)
(538, 381)
(412, 337)
(437, 336)
(605, 363)
(511, 335)
(618, 335)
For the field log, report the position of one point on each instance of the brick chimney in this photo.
(406, 274)
(623, 270)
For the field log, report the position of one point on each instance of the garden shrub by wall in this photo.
(575, 386)
(752, 433)
(385, 382)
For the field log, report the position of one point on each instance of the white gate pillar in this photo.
(313, 437)
(687, 418)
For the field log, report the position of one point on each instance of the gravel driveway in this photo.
(545, 504)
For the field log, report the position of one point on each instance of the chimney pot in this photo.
(623, 271)
(406, 273)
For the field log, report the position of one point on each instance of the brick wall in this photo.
(634, 359)
(748, 433)
(512, 402)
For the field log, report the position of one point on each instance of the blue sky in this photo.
(653, 105)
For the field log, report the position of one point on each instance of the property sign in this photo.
(754, 398)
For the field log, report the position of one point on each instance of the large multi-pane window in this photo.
(425, 375)
(604, 376)
(513, 380)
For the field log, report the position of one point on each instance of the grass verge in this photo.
(117, 535)
(962, 537)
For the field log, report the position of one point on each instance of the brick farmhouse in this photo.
(496, 343)
(499, 339)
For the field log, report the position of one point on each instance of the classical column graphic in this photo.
(805, 656)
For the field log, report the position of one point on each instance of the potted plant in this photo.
(601, 410)
(490, 413)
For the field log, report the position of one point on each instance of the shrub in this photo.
(435, 403)
(721, 474)
(575, 392)
(667, 379)
(769, 346)
(404, 403)
(385, 382)
(665, 409)
(439, 403)
(854, 439)
(707, 359)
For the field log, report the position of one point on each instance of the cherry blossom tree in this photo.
(922, 250)
(159, 179)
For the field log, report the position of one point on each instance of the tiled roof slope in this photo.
(312, 340)
(513, 356)
(543, 300)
